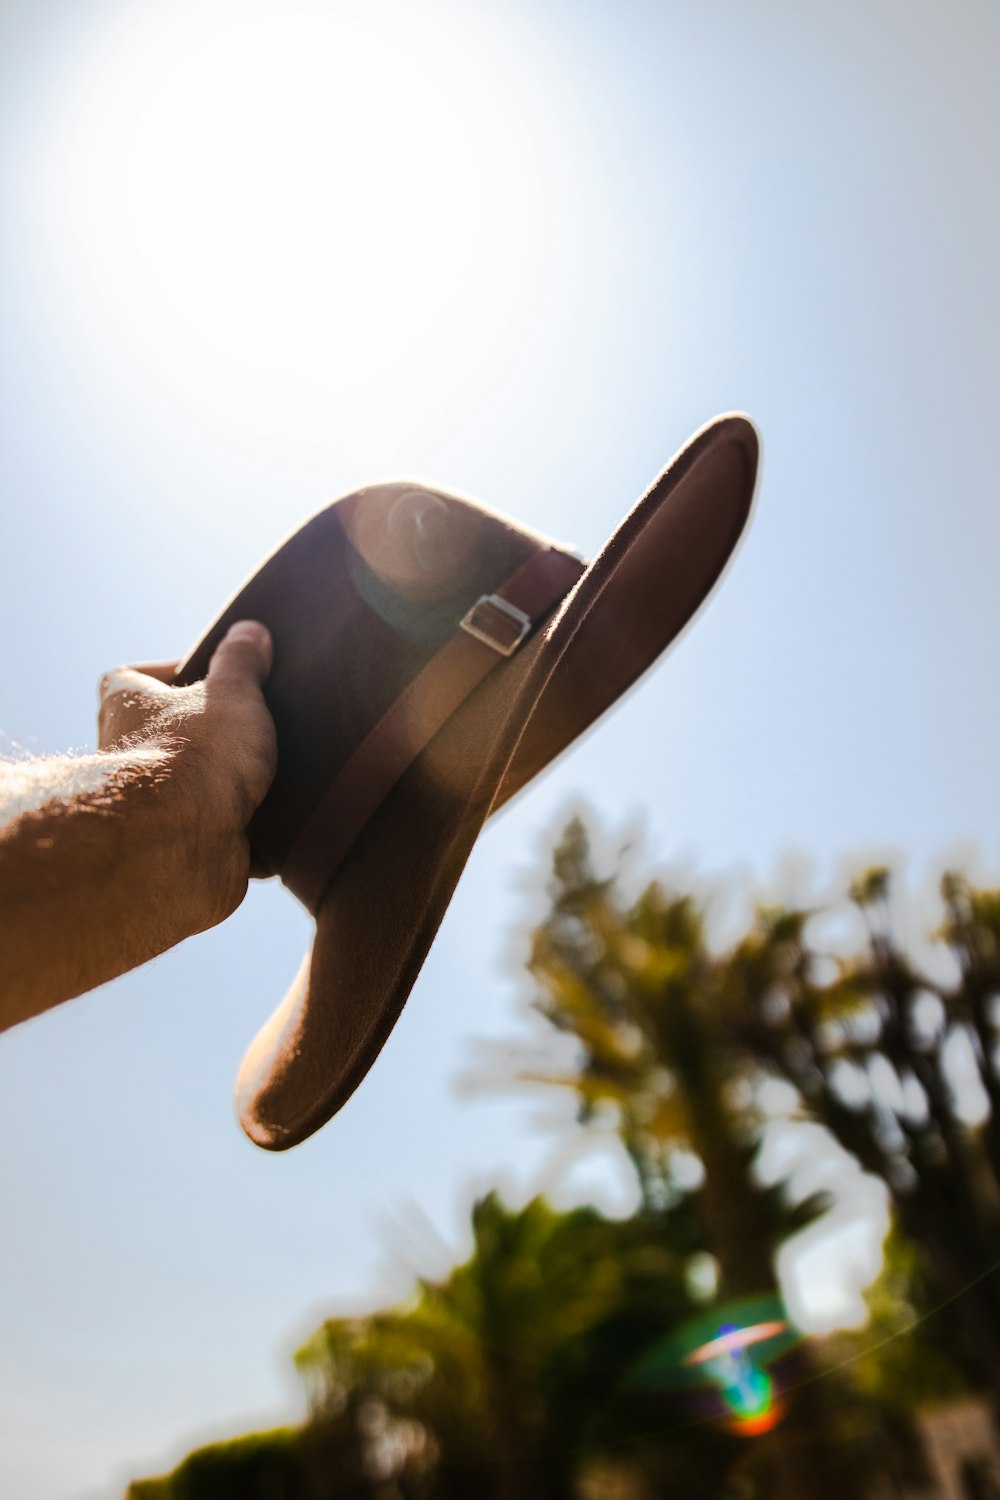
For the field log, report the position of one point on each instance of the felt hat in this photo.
(430, 657)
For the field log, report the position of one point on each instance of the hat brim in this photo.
(379, 916)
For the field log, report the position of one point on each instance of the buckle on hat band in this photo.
(420, 711)
(496, 623)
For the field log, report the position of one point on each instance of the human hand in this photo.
(109, 859)
(221, 750)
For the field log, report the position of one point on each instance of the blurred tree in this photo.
(902, 1363)
(642, 995)
(573, 1357)
(261, 1466)
(657, 1017)
(506, 1379)
(902, 1070)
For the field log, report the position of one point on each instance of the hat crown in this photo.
(359, 601)
(418, 556)
(410, 536)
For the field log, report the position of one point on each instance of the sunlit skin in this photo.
(109, 859)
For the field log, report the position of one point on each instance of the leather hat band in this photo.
(491, 630)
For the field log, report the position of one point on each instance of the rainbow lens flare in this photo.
(746, 1389)
(722, 1360)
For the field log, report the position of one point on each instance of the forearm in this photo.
(107, 860)
(102, 866)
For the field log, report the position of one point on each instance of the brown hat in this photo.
(430, 657)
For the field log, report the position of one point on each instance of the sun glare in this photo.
(316, 194)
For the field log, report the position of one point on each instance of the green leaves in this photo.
(570, 1351)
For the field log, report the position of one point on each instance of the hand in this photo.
(107, 860)
(222, 750)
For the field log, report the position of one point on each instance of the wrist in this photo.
(94, 875)
(196, 822)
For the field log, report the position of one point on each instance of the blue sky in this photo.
(254, 255)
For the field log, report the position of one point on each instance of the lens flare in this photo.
(747, 1390)
(722, 1359)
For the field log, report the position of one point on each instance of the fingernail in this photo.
(249, 630)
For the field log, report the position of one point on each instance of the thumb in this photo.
(244, 653)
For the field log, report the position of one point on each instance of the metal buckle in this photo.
(498, 612)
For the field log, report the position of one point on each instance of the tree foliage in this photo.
(574, 1357)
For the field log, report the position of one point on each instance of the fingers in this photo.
(220, 726)
(130, 701)
(244, 655)
(235, 677)
(163, 671)
(129, 680)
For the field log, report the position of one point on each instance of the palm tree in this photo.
(658, 1021)
(871, 1053)
(509, 1378)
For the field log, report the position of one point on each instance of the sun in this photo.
(312, 193)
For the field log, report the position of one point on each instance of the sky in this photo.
(254, 255)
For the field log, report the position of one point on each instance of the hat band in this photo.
(423, 707)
